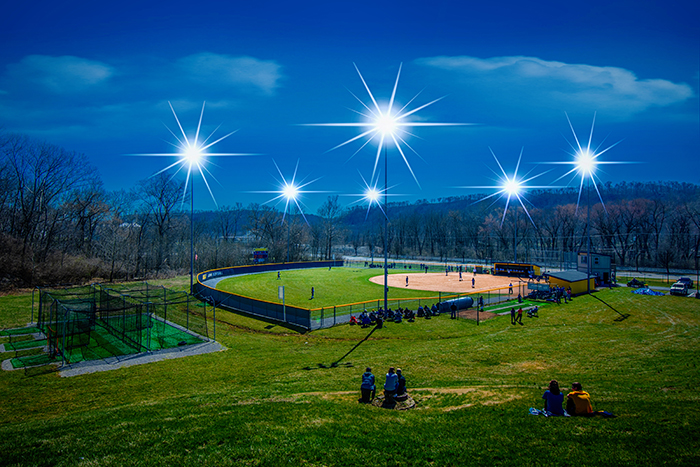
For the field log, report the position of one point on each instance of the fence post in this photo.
(334, 315)
(63, 350)
(148, 326)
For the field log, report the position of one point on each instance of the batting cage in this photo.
(96, 322)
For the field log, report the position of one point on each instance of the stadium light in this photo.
(511, 187)
(372, 195)
(192, 155)
(390, 127)
(585, 164)
(290, 192)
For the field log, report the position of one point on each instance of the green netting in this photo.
(104, 344)
(95, 322)
(165, 336)
(19, 331)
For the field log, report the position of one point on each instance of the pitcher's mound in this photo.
(392, 404)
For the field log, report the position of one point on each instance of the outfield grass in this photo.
(274, 398)
(337, 286)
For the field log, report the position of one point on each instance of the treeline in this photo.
(661, 232)
(58, 225)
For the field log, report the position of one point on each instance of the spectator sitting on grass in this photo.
(578, 401)
(400, 386)
(366, 321)
(435, 309)
(392, 381)
(553, 399)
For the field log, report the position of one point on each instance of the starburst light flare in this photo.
(193, 153)
(290, 191)
(372, 195)
(388, 124)
(586, 161)
(510, 187)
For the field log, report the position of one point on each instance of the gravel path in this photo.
(113, 363)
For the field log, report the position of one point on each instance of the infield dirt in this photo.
(439, 282)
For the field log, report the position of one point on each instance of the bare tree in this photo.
(162, 197)
(330, 213)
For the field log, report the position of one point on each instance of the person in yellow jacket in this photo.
(578, 401)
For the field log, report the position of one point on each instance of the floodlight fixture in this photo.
(290, 191)
(372, 195)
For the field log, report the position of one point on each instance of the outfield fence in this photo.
(205, 289)
(319, 318)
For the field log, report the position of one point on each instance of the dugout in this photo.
(574, 279)
(516, 269)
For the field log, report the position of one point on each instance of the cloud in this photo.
(542, 84)
(227, 71)
(69, 95)
(61, 75)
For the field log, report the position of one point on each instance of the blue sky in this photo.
(96, 77)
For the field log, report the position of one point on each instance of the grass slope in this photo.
(337, 286)
(275, 399)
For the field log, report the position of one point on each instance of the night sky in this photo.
(96, 77)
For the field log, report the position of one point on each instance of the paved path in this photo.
(114, 363)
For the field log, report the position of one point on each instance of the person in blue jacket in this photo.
(391, 384)
(553, 399)
(367, 388)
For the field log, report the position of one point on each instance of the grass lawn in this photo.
(337, 286)
(275, 399)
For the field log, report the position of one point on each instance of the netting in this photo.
(93, 322)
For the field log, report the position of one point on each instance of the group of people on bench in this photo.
(377, 318)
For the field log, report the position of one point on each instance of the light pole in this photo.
(586, 163)
(513, 187)
(192, 237)
(390, 124)
(386, 232)
(290, 193)
(515, 237)
(193, 155)
(588, 230)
